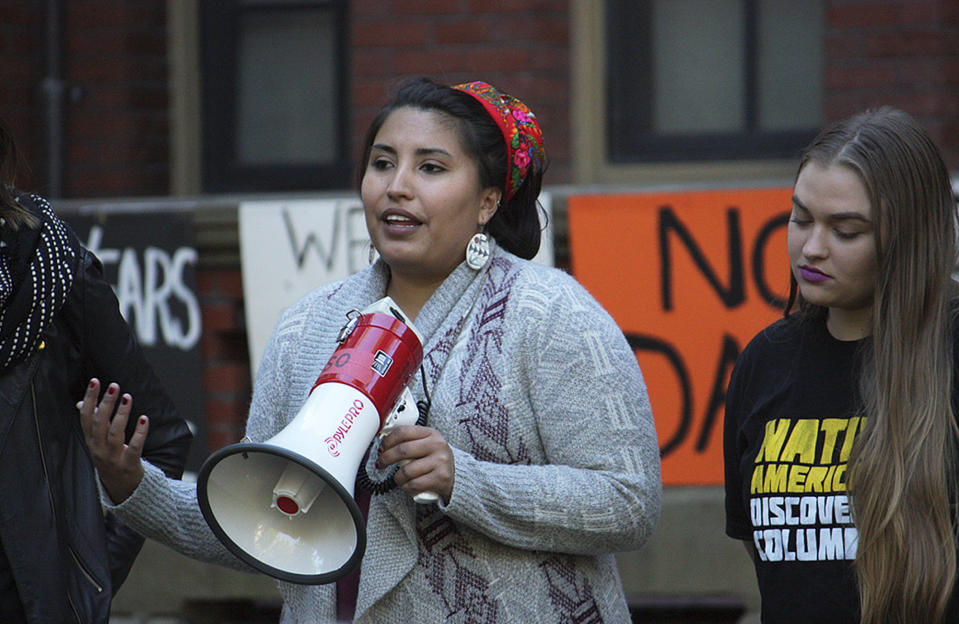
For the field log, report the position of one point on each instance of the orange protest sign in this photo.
(690, 277)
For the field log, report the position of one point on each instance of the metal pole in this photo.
(52, 88)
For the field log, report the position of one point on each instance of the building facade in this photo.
(197, 103)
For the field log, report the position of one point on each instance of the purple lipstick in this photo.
(811, 274)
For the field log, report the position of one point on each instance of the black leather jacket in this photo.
(67, 558)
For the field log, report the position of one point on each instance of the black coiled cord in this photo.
(377, 488)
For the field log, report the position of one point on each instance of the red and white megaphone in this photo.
(286, 506)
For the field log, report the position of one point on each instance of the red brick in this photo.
(950, 12)
(219, 316)
(435, 62)
(514, 6)
(16, 72)
(493, 59)
(839, 105)
(862, 14)
(211, 346)
(17, 14)
(95, 125)
(391, 33)
(538, 91)
(225, 346)
(222, 435)
(111, 183)
(206, 282)
(103, 14)
(226, 377)
(116, 68)
(848, 76)
(370, 11)
(465, 31)
(226, 410)
(950, 71)
(921, 11)
(920, 72)
(89, 43)
(226, 283)
(15, 42)
(430, 8)
(368, 93)
(538, 29)
(549, 58)
(368, 62)
(127, 97)
(843, 44)
(905, 43)
(916, 103)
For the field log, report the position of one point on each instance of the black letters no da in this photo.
(732, 293)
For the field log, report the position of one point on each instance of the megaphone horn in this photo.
(285, 506)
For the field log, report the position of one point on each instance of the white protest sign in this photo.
(290, 247)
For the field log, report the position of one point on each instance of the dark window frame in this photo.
(629, 81)
(222, 171)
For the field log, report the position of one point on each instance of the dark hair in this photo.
(10, 210)
(516, 225)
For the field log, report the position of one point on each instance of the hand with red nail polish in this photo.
(117, 461)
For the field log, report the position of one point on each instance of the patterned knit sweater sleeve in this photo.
(560, 451)
(167, 510)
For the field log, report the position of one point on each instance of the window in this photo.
(274, 95)
(699, 80)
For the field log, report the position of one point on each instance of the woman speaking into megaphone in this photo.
(538, 437)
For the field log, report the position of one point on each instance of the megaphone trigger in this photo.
(403, 413)
(406, 413)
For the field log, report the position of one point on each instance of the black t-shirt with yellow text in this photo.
(793, 411)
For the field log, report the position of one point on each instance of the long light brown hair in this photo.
(903, 465)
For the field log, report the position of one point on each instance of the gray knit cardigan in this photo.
(556, 461)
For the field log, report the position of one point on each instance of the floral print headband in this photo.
(525, 151)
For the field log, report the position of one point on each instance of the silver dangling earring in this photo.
(372, 252)
(477, 251)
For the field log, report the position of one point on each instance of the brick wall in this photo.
(520, 46)
(114, 64)
(904, 53)
(114, 52)
(227, 385)
(115, 101)
(20, 65)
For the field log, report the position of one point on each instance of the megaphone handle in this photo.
(423, 498)
(403, 415)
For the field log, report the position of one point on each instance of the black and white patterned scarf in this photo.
(36, 273)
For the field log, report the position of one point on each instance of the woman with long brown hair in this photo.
(841, 437)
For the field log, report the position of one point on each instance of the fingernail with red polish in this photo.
(112, 390)
(143, 420)
(92, 383)
(125, 400)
